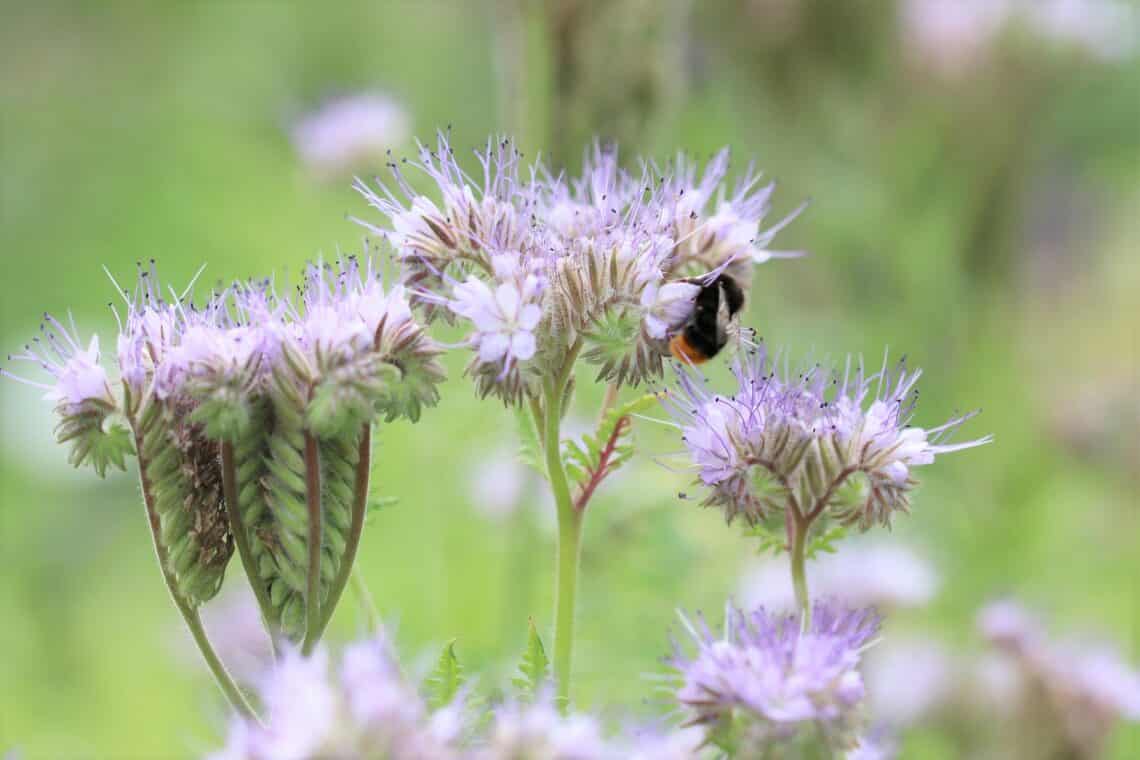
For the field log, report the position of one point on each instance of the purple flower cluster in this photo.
(342, 330)
(818, 441)
(538, 265)
(368, 708)
(767, 679)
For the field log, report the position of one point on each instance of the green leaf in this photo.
(94, 439)
(771, 538)
(600, 453)
(534, 669)
(444, 682)
(826, 541)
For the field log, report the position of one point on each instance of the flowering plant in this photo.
(542, 271)
(252, 416)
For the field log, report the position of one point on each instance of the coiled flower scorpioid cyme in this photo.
(251, 417)
(819, 442)
(769, 682)
(541, 266)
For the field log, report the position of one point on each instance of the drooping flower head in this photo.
(541, 267)
(256, 379)
(840, 444)
(766, 680)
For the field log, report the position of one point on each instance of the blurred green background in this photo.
(975, 205)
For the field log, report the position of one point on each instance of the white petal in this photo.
(523, 345)
(493, 346)
(507, 297)
(529, 316)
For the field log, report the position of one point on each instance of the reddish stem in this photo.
(599, 473)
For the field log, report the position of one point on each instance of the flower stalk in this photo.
(189, 613)
(569, 539)
(798, 528)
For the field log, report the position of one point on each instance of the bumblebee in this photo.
(705, 332)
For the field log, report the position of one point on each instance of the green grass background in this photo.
(131, 130)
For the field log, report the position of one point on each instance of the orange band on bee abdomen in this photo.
(684, 351)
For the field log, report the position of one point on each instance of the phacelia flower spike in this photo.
(822, 442)
(540, 266)
(251, 416)
(767, 681)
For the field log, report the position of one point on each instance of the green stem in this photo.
(355, 529)
(189, 613)
(364, 597)
(313, 579)
(569, 541)
(241, 539)
(217, 668)
(798, 550)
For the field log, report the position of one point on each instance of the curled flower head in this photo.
(767, 678)
(541, 267)
(842, 445)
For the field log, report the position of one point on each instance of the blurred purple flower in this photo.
(498, 479)
(350, 132)
(954, 34)
(234, 623)
(1086, 687)
(908, 680)
(370, 710)
(882, 575)
(765, 679)
(540, 730)
(876, 745)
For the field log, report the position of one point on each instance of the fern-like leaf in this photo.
(826, 541)
(599, 454)
(534, 669)
(93, 439)
(444, 682)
